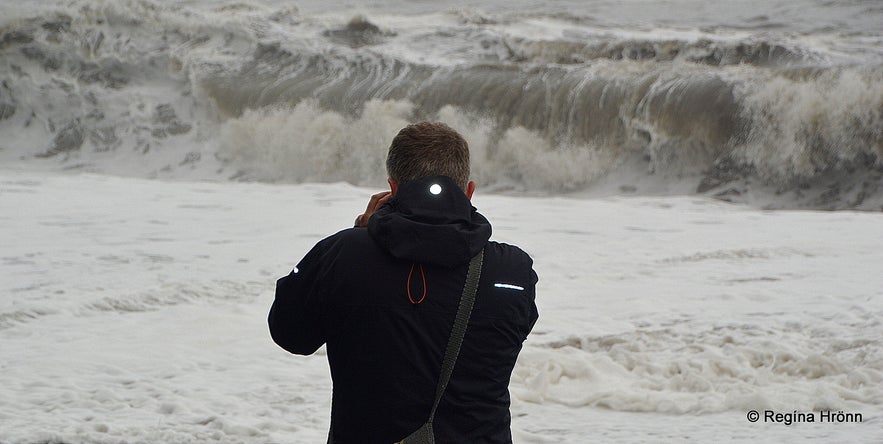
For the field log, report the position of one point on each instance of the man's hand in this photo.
(376, 202)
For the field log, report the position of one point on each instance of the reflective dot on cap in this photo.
(435, 189)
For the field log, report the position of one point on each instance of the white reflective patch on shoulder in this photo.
(508, 286)
(295, 270)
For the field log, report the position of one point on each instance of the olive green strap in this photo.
(464, 311)
(425, 434)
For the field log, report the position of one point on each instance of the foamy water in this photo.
(162, 163)
(134, 311)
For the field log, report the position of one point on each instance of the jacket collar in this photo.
(430, 220)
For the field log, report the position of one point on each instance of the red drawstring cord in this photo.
(423, 276)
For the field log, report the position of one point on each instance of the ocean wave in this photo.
(100, 85)
(584, 49)
(729, 368)
(153, 299)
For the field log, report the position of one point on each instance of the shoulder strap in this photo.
(464, 311)
(425, 434)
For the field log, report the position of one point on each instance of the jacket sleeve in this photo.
(525, 275)
(295, 318)
(534, 314)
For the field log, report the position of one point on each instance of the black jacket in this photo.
(353, 291)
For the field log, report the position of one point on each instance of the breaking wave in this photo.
(247, 93)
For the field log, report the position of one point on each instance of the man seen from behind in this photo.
(382, 297)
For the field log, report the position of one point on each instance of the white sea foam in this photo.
(135, 310)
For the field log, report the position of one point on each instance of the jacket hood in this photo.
(430, 220)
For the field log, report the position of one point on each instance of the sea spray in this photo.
(551, 103)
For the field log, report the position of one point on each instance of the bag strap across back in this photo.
(425, 434)
(464, 311)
